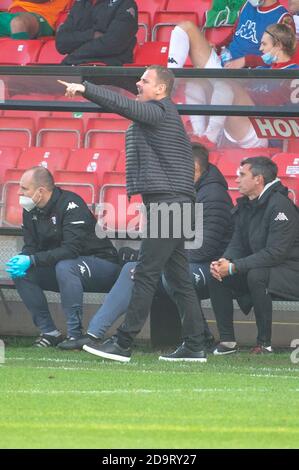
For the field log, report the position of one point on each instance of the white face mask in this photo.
(256, 3)
(27, 203)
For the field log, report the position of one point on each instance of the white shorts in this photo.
(214, 61)
(251, 140)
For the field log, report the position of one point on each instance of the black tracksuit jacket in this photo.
(63, 229)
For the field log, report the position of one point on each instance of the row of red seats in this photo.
(81, 171)
(64, 132)
(99, 177)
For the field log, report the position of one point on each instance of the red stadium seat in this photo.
(165, 21)
(197, 6)
(59, 132)
(8, 160)
(80, 182)
(121, 162)
(11, 211)
(104, 133)
(151, 53)
(116, 215)
(288, 172)
(151, 6)
(48, 53)
(17, 131)
(114, 177)
(96, 161)
(144, 27)
(19, 52)
(51, 158)
(84, 173)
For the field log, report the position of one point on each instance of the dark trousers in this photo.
(222, 293)
(71, 278)
(165, 255)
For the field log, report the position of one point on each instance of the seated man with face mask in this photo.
(61, 253)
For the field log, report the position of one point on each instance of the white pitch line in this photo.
(137, 391)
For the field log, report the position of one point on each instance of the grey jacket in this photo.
(158, 150)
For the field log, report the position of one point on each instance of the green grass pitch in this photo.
(55, 399)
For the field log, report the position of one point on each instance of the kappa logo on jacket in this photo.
(281, 216)
(71, 205)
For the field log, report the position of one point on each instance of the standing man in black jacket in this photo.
(262, 257)
(100, 31)
(61, 253)
(160, 167)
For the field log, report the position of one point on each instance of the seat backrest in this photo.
(106, 133)
(80, 182)
(230, 158)
(59, 132)
(8, 160)
(115, 213)
(17, 131)
(197, 6)
(11, 212)
(48, 53)
(151, 6)
(19, 52)
(96, 161)
(165, 21)
(51, 158)
(151, 53)
(287, 163)
(144, 27)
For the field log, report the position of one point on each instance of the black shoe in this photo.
(109, 350)
(261, 349)
(183, 353)
(76, 343)
(47, 341)
(222, 350)
(209, 343)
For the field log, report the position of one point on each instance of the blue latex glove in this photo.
(18, 265)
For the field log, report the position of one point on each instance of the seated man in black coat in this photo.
(100, 31)
(61, 253)
(262, 257)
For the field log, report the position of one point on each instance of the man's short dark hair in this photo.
(165, 76)
(262, 166)
(200, 155)
(42, 177)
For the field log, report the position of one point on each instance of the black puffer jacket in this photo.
(267, 235)
(211, 191)
(63, 229)
(117, 20)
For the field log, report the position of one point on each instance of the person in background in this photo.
(32, 19)
(278, 46)
(294, 9)
(244, 50)
(100, 31)
(61, 253)
(262, 257)
(211, 191)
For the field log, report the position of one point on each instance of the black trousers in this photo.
(165, 255)
(222, 293)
